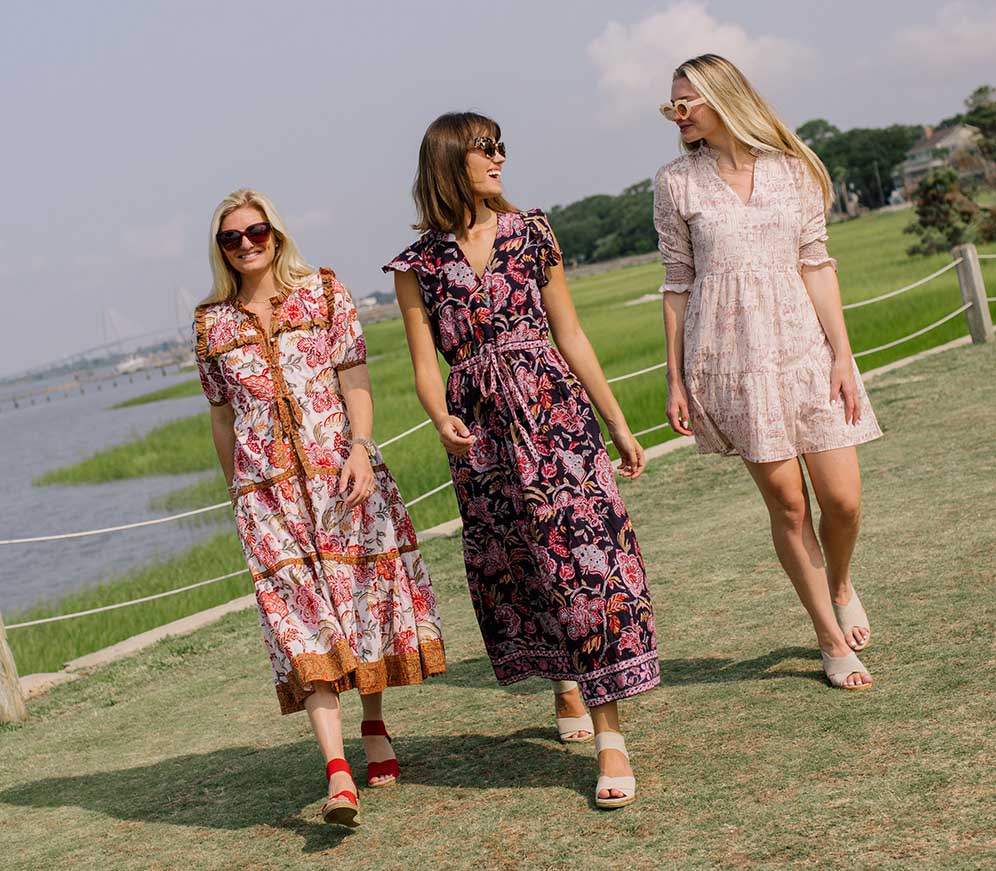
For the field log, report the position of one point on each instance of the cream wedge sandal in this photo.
(625, 785)
(568, 727)
(851, 616)
(837, 669)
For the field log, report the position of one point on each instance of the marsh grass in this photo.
(174, 391)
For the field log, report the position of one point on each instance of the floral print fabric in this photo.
(553, 566)
(757, 361)
(343, 594)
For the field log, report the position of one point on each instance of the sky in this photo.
(126, 123)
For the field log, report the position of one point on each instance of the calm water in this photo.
(52, 434)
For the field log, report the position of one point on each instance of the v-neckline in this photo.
(266, 329)
(711, 154)
(491, 254)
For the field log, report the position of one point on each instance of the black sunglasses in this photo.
(258, 234)
(489, 146)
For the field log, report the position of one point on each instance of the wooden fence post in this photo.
(11, 701)
(973, 290)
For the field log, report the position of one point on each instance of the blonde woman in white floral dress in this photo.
(344, 597)
(759, 363)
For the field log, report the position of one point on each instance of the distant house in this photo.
(955, 146)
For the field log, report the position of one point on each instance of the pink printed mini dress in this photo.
(757, 360)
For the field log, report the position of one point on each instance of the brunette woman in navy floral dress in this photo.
(554, 569)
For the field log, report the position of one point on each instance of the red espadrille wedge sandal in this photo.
(341, 808)
(387, 768)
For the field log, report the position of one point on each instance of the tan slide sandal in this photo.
(851, 616)
(568, 727)
(625, 785)
(837, 669)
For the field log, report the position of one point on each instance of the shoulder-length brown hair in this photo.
(442, 191)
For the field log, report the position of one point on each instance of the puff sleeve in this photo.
(673, 237)
(813, 235)
(346, 329)
(213, 381)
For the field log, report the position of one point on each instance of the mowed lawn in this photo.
(177, 759)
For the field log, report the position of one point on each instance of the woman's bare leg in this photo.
(376, 747)
(836, 478)
(784, 491)
(325, 715)
(569, 704)
(610, 762)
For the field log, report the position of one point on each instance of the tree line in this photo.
(862, 159)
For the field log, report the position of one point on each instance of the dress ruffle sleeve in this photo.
(346, 330)
(548, 251)
(412, 258)
(813, 236)
(673, 237)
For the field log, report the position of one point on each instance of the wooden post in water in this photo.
(11, 701)
(973, 290)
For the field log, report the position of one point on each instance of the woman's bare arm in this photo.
(674, 337)
(357, 473)
(580, 356)
(223, 435)
(453, 433)
(824, 292)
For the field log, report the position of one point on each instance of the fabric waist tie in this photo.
(492, 376)
(286, 419)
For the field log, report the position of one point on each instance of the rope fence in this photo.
(108, 529)
(980, 296)
(117, 605)
(919, 332)
(952, 265)
(615, 380)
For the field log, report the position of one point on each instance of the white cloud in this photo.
(961, 33)
(636, 62)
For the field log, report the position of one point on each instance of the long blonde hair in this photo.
(289, 268)
(747, 115)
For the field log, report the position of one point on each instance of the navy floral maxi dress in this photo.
(554, 569)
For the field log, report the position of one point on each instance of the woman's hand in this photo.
(844, 385)
(455, 436)
(357, 475)
(677, 407)
(630, 452)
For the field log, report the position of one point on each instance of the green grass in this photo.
(745, 759)
(49, 646)
(173, 448)
(871, 253)
(175, 391)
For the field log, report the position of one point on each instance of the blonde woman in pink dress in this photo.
(759, 362)
(344, 597)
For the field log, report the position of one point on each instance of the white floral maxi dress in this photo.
(343, 594)
(757, 361)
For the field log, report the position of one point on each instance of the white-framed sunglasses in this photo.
(680, 109)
